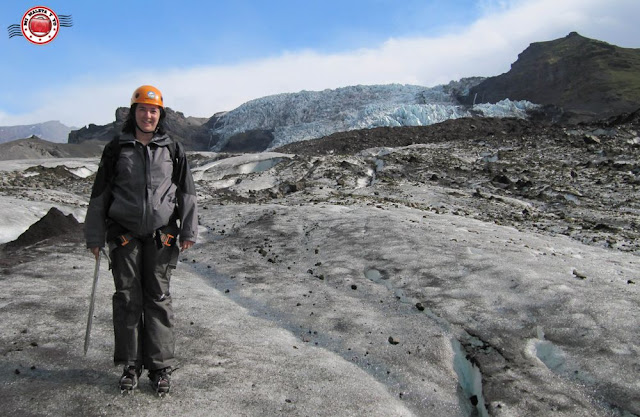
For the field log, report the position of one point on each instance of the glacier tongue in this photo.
(294, 117)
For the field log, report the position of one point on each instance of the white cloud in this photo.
(485, 48)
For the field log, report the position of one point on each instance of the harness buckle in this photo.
(167, 239)
(124, 240)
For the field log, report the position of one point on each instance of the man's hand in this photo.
(184, 245)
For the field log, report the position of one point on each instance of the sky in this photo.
(212, 56)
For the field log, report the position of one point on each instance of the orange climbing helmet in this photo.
(147, 94)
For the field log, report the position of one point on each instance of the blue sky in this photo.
(213, 56)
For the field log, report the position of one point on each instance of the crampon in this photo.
(129, 379)
(161, 381)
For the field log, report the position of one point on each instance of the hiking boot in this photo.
(129, 378)
(161, 380)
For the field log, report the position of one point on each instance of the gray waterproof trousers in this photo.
(142, 310)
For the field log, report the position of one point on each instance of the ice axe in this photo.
(87, 335)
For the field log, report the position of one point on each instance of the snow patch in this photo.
(244, 164)
(82, 172)
(363, 182)
(549, 354)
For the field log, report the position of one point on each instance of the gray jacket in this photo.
(137, 190)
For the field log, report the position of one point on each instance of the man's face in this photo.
(147, 117)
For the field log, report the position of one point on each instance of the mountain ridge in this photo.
(37, 148)
(588, 77)
(51, 130)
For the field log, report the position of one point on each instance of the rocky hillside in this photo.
(179, 127)
(53, 131)
(36, 148)
(590, 78)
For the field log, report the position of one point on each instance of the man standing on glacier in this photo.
(143, 205)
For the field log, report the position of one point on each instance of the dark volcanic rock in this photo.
(203, 138)
(181, 128)
(590, 78)
(250, 141)
(53, 225)
(465, 129)
(100, 133)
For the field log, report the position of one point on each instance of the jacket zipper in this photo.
(144, 224)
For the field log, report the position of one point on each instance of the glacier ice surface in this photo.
(293, 117)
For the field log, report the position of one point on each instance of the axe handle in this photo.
(92, 303)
